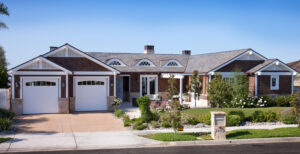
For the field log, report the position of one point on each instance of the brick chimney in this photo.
(186, 52)
(53, 48)
(149, 49)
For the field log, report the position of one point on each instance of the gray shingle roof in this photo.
(131, 59)
(260, 66)
(204, 63)
(201, 62)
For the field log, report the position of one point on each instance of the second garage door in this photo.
(90, 93)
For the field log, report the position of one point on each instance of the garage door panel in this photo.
(91, 94)
(40, 96)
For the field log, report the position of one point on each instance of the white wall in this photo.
(4, 98)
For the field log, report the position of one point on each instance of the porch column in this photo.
(292, 84)
(12, 86)
(67, 85)
(115, 84)
(180, 93)
(255, 85)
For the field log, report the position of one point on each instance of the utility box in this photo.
(218, 125)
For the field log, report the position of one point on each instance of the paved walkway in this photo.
(63, 123)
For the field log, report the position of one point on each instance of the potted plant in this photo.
(180, 128)
(116, 104)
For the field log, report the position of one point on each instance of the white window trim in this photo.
(115, 59)
(277, 82)
(146, 60)
(148, 87)
(178, 64)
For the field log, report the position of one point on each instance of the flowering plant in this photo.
(117, 101)
(252, 102)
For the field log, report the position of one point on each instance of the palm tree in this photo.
(3, 11)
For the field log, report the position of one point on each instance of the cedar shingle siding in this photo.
(77, 64)
(244, 65)
(263, 85)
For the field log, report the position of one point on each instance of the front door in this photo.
(148, 85)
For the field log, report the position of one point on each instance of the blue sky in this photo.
(268, 26)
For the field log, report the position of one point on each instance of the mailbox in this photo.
(218, 125)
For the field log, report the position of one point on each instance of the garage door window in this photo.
(90, 83)
(40, 83)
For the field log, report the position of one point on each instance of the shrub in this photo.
(239, 113)
(119, 113)
(268, 101)
(6, 114)
(270, 116)
(126, 120)
(258, 116)
(141, 127)
(205, 118)
(288, 116)
(154, 124)
(144, 106)
(193, 121)
(233, 120)
(5, 123)
(166, 124)
(283, 100)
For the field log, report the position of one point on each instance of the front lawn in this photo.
(4, 139)
(235, 134)
(263, 133)
(247, 111)
(173, 137)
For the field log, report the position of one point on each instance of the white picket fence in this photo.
(4, 98)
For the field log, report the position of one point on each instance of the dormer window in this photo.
(115, 62)
(145, 62)
(173, 63)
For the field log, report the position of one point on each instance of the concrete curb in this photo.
(179, 143)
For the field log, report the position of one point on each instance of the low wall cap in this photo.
(218, 112)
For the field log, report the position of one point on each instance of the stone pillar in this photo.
(17, 106)
(63, 105)
(72, 104)
(218, 125)
(110, 101)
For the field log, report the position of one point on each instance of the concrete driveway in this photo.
(63, 123)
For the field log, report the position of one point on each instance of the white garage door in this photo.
(40, 95)
(91, 94)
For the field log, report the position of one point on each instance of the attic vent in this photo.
(186, 52)
(149, 49)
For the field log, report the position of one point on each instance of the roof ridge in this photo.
(246, 49)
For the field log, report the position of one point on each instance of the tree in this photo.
(3, 11)
(219, 92)
(295, 102)
(240, 86)
(172, 84)
(3, 71)
(196, 85)
(3, 62)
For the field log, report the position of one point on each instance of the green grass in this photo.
(173, 137)
(235, 134)
(263, 133)
(4, 139)
(248, 111)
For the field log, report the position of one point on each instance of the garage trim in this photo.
(40, 77)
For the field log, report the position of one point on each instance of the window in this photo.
(115, 62)
(40, 83)
(145, 62)
(274, 83)
(83, 83)
(173, 63)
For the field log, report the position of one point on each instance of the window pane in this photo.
(274, 82)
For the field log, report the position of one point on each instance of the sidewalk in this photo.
(114, 140)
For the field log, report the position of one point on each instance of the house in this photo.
(296, 66)
(66, 79)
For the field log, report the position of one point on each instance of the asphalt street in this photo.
(269, 148)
